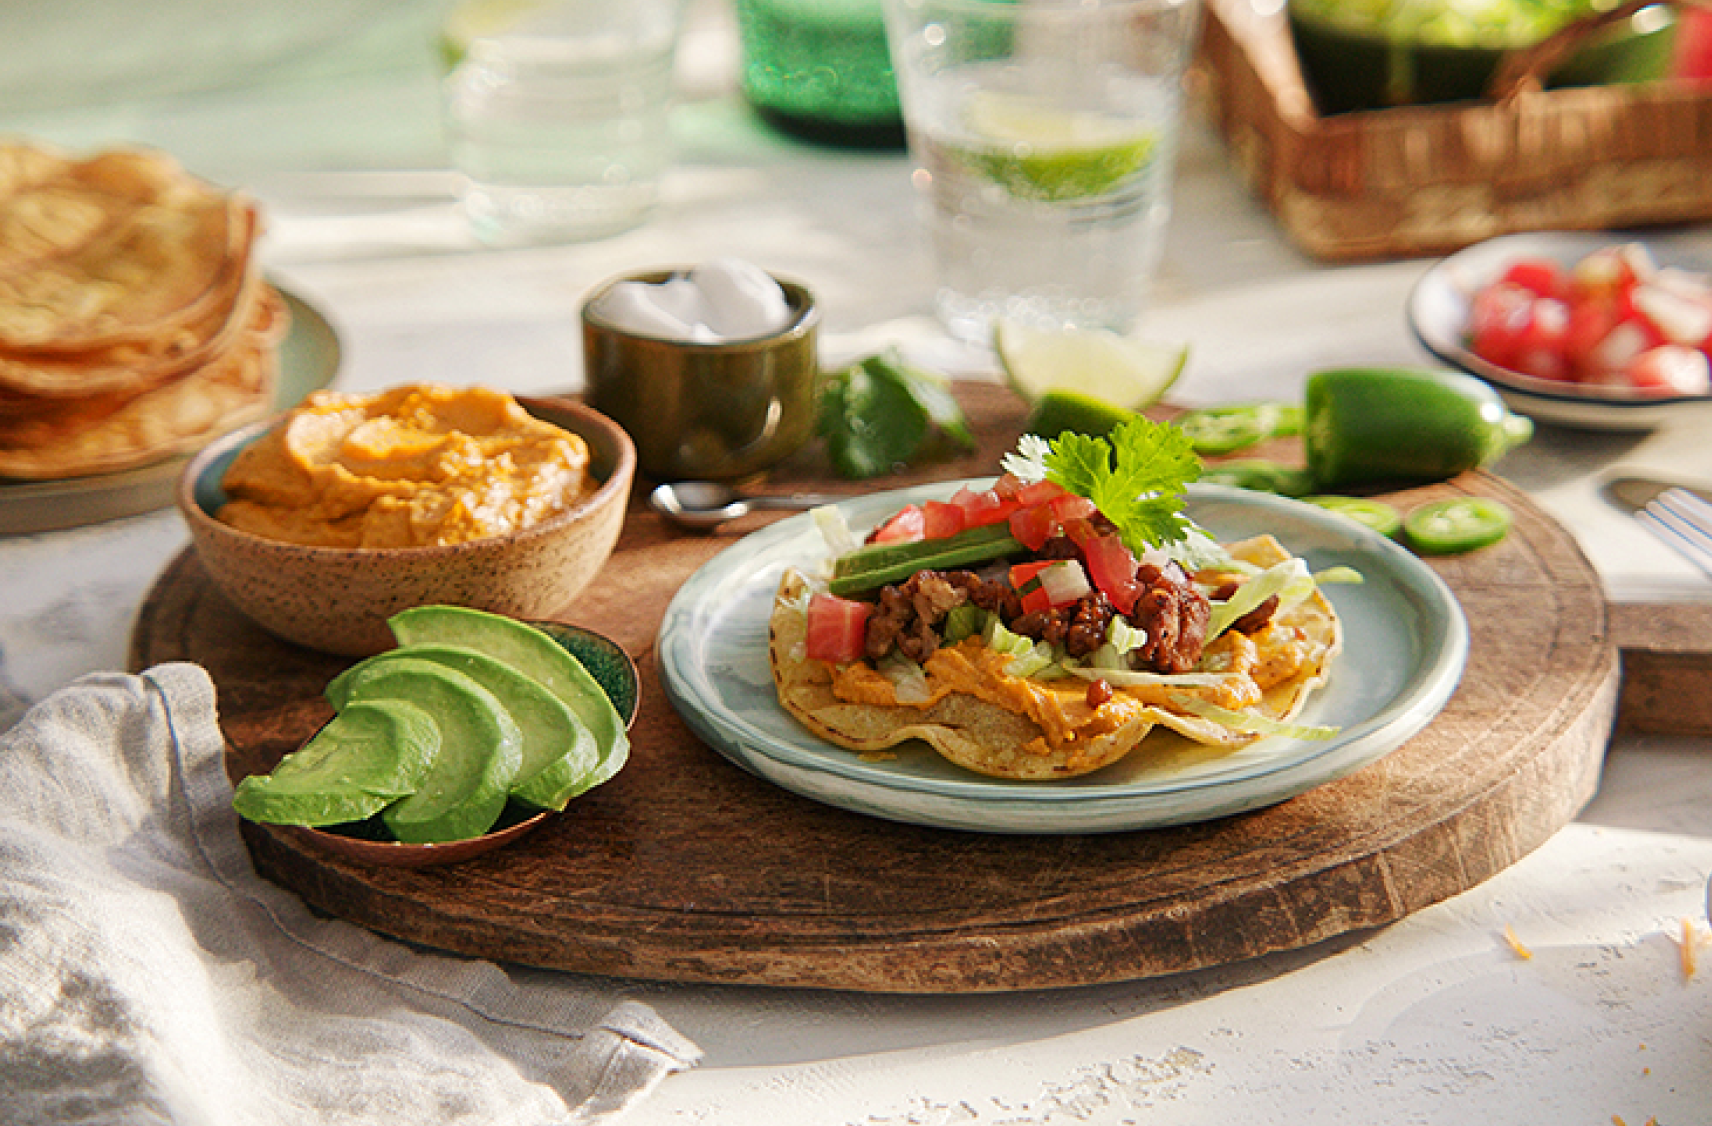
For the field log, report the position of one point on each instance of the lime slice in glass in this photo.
(480, 19)
(1040, 152)
(1121, 371)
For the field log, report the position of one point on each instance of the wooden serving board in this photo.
(687, 869)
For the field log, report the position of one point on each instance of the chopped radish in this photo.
(1671, 369)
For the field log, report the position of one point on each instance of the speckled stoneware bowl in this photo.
(337, 600)
(720, 411)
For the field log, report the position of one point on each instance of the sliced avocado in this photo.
(559, 751)
(481, 748)
(367, 756)
(872, 566)
(535, 655)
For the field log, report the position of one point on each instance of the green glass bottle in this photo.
(820, 70)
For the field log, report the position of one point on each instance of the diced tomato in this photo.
(1499, 318)
(1025, 578)
(1691, 61)
(1540, 346)
(1007, 485)
(1606, 272)
(1112, 566)
(837, 628)
(1540, 276)
(1621, 347)
(1590, 322)
(1080, 530)
(1595, 324)
(941, 519)
(1034, 525)
(905, 526)
(984, 507)
(1671, 369)
(1040, 492)
(1069, 507)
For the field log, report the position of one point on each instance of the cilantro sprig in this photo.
(1135, 476)
(882, 412)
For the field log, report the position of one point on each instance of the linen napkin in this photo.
(148, 975)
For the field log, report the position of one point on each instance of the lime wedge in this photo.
(1122, 372)
(479, 19)
(1037, 151)
(1058, 411)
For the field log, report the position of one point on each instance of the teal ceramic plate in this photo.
(308, 361)
(1405, 645)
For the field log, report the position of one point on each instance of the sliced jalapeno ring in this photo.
(1447, 527)
(1376, 514)
(1257, 475)
(1227, 429)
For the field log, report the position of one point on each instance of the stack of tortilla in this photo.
(134, 321)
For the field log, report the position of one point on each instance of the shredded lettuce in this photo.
(1001, 640)
(834, 530)
(1289, 580)
(908, 679)
(964, 621)
(1133, 678)
(1041, 662)
(1250, 722)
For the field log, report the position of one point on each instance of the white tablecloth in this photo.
(1437, 1019)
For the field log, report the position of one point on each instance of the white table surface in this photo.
(1436, 1019)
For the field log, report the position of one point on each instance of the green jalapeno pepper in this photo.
(1371, 425)
(1449, 527)
(1257, 475)
(1226, 429)
(1367, 511)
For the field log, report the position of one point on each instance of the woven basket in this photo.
(1423, 180)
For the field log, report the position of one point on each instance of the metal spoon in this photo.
(704, 505)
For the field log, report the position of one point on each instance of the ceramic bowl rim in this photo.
(806, 320)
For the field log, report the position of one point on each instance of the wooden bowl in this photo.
(612, 668)
(337, 600)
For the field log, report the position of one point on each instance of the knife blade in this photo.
(1635, 493)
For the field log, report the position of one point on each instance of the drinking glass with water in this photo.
(556, 113)
(1044, 134)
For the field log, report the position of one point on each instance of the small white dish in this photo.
(1405, 646)
(1438, 312)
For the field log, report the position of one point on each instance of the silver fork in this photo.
(1680, 515)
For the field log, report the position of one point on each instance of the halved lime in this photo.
(1058, 411)
(1038, 151)
(1123, 372)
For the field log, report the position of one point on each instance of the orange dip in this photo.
(414, 466)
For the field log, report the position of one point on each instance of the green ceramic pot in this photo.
(719, 411)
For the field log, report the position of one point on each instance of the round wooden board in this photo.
(687, 869)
